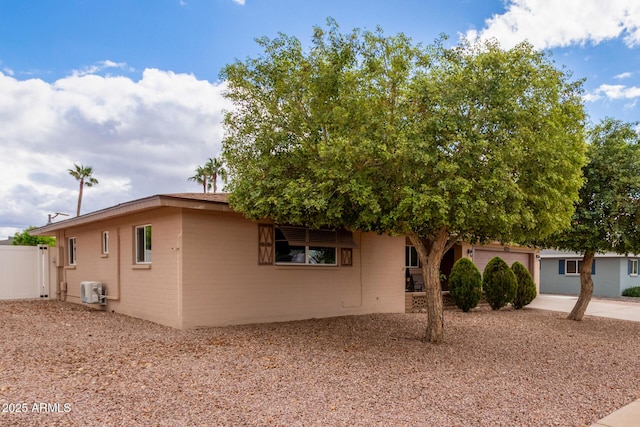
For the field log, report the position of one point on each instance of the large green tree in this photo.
(376, 133)
(607, 216)
(83, 174)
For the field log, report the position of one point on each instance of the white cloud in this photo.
(240, 2)
(614, 92)
(100, 66)
(622, 76)
(552, 23)
(141, 137)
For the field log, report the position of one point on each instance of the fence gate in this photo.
(24, 272)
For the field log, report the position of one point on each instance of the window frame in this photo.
(578, 266)
(147, 253)
(72, 252)
(633, 263)
(105, 243)
(408, 252)
(306, 246)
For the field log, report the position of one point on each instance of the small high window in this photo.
(143, 244)
(72, 251)
(105, 242)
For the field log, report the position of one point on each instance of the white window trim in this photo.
(634, 262)
(145, 261)
(105, 243)
(566, 267)
(72, 252)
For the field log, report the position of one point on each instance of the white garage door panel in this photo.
(481, 258)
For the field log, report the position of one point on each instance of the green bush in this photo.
(631, 292)
(525, 287)
(498, 283)
(465, 284)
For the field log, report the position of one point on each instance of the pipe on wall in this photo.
(118, 268)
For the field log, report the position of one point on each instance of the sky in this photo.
(132, 87)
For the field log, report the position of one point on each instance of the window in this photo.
(72, 251)
(633, 267)
(299, 245)
(105, 242)
(411, 257)
(143, 244)
(573, 266)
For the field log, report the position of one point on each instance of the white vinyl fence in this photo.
(24, 272)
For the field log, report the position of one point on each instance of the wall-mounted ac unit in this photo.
(91, 292)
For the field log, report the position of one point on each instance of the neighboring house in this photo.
(189, 260)
(6, 242)
(612, 273)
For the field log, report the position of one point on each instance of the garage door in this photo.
(481, 257)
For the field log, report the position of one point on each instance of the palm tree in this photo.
(215, 168)
(82, 174)
(200, 177)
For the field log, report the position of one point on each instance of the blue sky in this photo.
(132, 88)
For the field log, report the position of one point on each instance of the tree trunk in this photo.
(431, 257)
(586, 287)
(80, 196)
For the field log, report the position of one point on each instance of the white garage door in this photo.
(481, 257)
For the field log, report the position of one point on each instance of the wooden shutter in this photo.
(346, 257)
(265, 244)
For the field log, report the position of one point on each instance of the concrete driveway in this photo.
(615, 309)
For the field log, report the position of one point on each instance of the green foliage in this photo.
(377, 133)
(606, 214)
(631, 292)
(526, 287)
(499, 283)
(26, 239)
(465, 284)
(208, 174)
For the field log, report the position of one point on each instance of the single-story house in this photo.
(612, 273)
(189, 260)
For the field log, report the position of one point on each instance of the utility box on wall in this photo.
(92, 293)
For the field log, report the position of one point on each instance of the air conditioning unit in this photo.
(91, 292)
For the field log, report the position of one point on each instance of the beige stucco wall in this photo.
(223, 284)
(146, 291)
(205, 272)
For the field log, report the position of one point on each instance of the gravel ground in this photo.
(63, 364)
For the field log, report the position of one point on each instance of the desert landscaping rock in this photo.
(505, 368)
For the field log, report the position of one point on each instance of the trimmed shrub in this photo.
(631, 292)
(498, 283)
(465, 284)
(525, 288)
